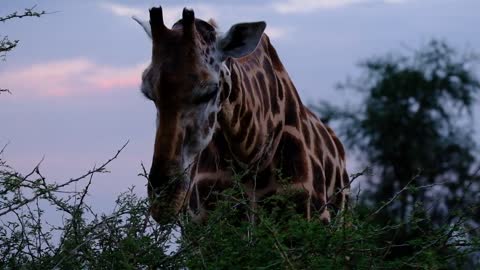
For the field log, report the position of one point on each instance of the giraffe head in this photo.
(186, 81)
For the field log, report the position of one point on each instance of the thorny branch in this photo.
(4, 91)
(22, 231)
(6, 45)
(29, 12)
(394, 197)
(11, 185)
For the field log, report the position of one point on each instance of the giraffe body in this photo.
(227, 100)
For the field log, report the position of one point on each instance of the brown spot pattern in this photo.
(327, 139)
(329, 171)
(277, 64)
(293, 154)
(318, 178)
(207, 161)
(291, 113)
(340, 149)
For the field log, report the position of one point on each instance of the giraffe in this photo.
(223, 99)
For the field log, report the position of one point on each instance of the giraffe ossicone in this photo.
(226, 100)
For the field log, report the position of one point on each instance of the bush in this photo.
(355, 239)
(273, 237)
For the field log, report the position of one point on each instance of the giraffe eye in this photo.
(206, 97)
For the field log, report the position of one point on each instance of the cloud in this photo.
(277, 33)
(171, 13)
(306, 6)
(123, 10)
(396, 1)
(71, 77)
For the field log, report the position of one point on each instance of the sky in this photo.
(75, 74)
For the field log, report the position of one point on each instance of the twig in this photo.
(53, 188)
(395, 196)
(29, 12)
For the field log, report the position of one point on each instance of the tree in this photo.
(414, 128)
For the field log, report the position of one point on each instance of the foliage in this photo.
(125, 239)
(280, 238)
(413, 127)
(273, 237)
(415, 116)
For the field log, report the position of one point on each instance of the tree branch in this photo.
(29, 12)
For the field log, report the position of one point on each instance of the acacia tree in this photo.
(414, 127)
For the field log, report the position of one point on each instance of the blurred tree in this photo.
(414, 129)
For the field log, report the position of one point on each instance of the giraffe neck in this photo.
(253, 116)
(263, 125)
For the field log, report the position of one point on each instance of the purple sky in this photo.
(75, 74)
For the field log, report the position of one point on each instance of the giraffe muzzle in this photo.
(166, 200)
(164, 208)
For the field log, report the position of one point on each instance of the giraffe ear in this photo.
(241, 40)
(144, 24)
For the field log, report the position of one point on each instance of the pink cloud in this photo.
(70, 77)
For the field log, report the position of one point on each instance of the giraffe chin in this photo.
(166, 212)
